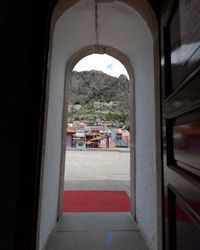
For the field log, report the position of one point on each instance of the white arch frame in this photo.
(144, 9)
(69, 67)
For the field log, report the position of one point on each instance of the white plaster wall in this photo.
(66, 41)
(132, 37)
(120, 27)
(145, 147)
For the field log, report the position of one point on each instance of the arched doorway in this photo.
(69, 67)
(110, 179)
(121, 30)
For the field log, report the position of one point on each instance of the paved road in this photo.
(97, 170)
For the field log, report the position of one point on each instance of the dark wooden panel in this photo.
(183, 141)
(187, 144)
(181, 43)
(187, 232)
(180, 61)
(182, 217)
(187, 226)
(185, 96)
(184, 28)
(171, 219)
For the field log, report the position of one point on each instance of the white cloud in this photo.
(102, 62)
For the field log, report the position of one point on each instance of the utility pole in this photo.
(107, 141)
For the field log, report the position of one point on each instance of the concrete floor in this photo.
(96, 231)
(97, 170)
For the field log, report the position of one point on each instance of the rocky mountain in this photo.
(96, 95)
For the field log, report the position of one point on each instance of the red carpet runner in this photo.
(96, 201)
(110, 201)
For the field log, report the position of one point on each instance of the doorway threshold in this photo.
(96, 231)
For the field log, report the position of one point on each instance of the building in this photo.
(99, 105)
(79, 140)
(74, 107)
(97, 138)
(69, 137)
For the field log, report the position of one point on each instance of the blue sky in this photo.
(102, 62)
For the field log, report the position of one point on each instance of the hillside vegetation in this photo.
(88, 87)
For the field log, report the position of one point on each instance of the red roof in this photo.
(70, 131)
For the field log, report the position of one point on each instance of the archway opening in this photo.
(97, 160)
(87, 27)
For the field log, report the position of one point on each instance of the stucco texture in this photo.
(120, 27)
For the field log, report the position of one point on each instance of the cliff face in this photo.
(99, 95)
